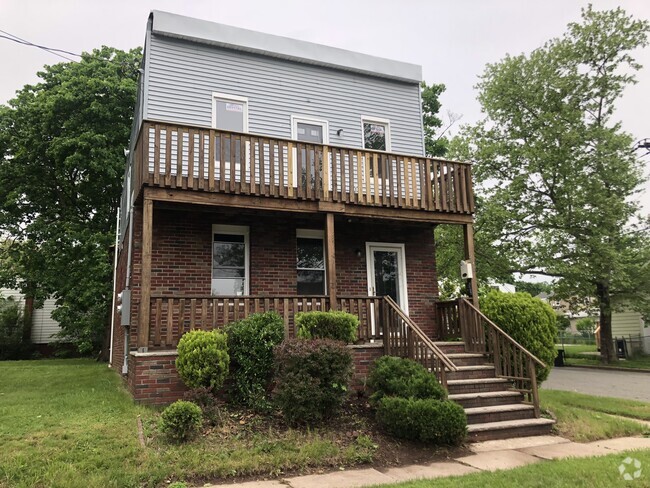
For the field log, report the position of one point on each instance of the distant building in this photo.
(44, 327)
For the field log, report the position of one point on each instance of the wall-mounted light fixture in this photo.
(357, 251)
(339, 132)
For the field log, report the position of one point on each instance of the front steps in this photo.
(494, 411)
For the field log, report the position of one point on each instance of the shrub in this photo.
(12, 345)
(529, 321)
(250, 345)
(181, 421)
(392, 376)
(203, 359)
(205, 399)
(312, 378)
(425, 420)
(586, 326)
(336, 325)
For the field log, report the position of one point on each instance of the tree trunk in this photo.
(28, 314)
(607, 352)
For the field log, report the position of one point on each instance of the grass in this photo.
(597, 472)
(69, 423)
(578, 350)
(584, 418)
(635, 362)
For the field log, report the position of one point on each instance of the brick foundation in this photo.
(153, 379)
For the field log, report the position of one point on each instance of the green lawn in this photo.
(636, 362)
(69, 423)
(599, 472)
(584, 418)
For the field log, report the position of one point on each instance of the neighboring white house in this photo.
(630, 326)
(44, 327)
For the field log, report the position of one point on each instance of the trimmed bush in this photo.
(425, 420)
(336, 325)
(529, 321)
(250, 345)
(392, 376)
(181, 421)
(312, 378)
(203, 359)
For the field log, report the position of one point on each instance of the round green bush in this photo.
(250, 345)
(426, 420)
(336, 325)
(393, 376)
(529, 321)
(203, 359)
(181, 421)
(312, 378)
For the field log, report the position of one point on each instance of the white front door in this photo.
(387, 272)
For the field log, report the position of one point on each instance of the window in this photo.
(230, 260)
(229, 112)
(309, 129)
(310, 262)
(376, 134)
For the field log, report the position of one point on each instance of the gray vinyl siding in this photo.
(182, 76)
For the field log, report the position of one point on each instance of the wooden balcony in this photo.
(304, 176)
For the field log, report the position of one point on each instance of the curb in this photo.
(605, 368)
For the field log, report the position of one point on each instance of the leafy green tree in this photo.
(563, 322)
(435, 144)
(586, 326)
(557, 172)
(61, 166)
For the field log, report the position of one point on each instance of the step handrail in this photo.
(504, 334)
(437, 352)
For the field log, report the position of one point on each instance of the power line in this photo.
(51, 50)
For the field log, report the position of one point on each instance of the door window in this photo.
(386, 270)
(310, 262)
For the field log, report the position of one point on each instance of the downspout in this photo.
(125, 365)
(117, 242)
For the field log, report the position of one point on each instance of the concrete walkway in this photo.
(486, 456)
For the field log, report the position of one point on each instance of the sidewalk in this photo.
(487, 456)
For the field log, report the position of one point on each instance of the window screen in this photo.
(374, 136)
(230, 115)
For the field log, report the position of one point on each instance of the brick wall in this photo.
(153, 379)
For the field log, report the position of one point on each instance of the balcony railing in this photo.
(209, 160)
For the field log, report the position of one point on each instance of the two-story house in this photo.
(267, 173)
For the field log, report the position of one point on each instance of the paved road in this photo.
(619, 384)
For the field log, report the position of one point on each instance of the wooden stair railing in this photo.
(403, 338)
(511, 360)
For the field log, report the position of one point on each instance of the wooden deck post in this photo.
(145, 286)
(468, 235)
(331, 260)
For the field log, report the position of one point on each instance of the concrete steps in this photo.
(494, 410)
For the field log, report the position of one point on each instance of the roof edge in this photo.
(213, 33)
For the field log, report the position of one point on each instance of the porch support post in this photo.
(330, 259)
(468, 235)
(145, 284)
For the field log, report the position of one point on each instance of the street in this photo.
(619, 384)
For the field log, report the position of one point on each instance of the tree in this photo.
(61, 168)
(586, 326)
(558, 174)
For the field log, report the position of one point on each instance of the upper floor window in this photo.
(310, 262)
(230, 258)
(376, 133)
(229, 112)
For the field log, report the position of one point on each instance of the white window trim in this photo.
(228, 98)
(401, 260)
(308, 119)
(241, 230)
(314, 234)
(376, 120)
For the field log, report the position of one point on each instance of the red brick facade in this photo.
(181, 265)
